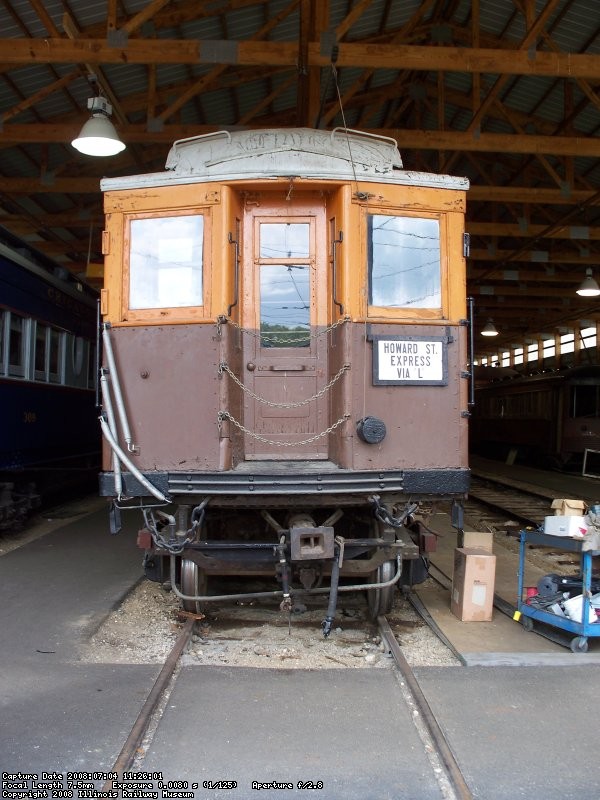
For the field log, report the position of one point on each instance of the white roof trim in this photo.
(285, 152)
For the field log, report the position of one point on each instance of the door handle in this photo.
(277, 368)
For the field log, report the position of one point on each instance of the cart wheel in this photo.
(527, 623)
(579, 644)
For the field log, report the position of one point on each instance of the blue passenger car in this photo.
(48, 420)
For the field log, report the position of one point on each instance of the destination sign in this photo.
(409, 360)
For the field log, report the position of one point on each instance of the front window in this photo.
(166, 262)
(404, 262)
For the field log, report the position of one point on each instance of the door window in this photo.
(284, 305)
(285, 284)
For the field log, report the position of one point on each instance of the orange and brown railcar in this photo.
(285, 360)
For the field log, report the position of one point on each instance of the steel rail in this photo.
(446, 755)
(140, 726)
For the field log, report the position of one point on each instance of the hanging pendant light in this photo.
(589, 287)
(98, 137)
(489, 329)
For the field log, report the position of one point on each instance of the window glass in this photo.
(54, 365)
(165, 262)
(3, 317)
(584, 401)
(532, 352)
(40, 351)
(16, 346)
(518, 355)
(284, 305)
(588, 337)
(567, 343)
(549, 348)
(404, 262)
(78, 351)
(284, 240)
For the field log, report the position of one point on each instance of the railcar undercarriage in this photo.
(316, 552)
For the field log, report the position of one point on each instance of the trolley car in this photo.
(548, 420)
(285, 349)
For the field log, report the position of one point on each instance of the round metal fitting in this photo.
(371, 430)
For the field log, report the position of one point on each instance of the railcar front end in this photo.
(285, 365)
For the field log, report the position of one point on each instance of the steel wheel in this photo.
(380, 601)
(193, 582)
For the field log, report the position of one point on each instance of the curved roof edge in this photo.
(285, 152)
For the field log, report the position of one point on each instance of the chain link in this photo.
(223, 367)
(226, 415)
(271, 337)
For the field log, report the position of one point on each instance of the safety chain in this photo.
(384, 515)
(271, 337)
(223, 367)
(226, 415)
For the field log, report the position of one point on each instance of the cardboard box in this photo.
(569, 508)
(570, 526)
(483, 539)
(473, 581)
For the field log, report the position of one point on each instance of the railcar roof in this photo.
(285, 152)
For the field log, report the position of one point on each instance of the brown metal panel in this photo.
(424, 424)
(170, 381)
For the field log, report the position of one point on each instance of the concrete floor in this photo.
(517, 731)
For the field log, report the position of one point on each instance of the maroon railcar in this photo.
(285, 379)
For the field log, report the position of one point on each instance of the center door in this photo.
(284, 317)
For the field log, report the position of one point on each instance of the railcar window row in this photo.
(31, 350)
(584, 401)
(546, 348)
(532, 405)
(166, 256)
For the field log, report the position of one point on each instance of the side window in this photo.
(48, 353)
(166, 262)
(41, 351)
(55, 356)
(3, 321)
(16, 346)
(404, 265)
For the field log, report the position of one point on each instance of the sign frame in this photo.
(411, 380)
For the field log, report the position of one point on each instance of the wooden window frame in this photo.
(168, 313)
(407, 313)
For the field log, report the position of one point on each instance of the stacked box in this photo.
(482, 539)
(473, 584)
(563, 507)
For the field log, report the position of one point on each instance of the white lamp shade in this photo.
(98, 137)
(489, 329)
(589, 287)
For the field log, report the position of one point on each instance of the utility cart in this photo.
(530, 613)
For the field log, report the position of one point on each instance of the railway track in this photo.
(504, 498)
(445, 768)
